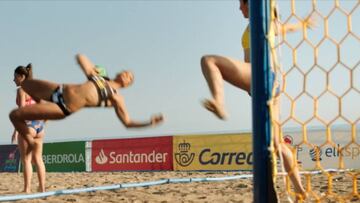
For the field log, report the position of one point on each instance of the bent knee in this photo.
(37, 159)
(14, 115)
(26, 158)
(207, 59)
(208, 62)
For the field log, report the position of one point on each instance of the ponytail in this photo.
(29, 71)
(26, 71)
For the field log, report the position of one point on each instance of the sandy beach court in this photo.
(239, 190)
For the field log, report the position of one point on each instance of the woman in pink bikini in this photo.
(35, 128)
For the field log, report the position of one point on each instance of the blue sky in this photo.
(160, 41)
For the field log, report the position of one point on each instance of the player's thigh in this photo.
(41, 111)
(235, 72)
(38, 148)
(25, 150)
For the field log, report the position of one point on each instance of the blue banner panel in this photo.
(9, 158)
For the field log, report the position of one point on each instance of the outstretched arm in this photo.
(309, 22)
(86, 65)
(119, 106)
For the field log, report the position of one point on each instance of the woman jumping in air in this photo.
(62, 100)
(217, 68)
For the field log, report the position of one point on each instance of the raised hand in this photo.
(157, 119)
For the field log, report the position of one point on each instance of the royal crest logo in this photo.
(184, 157)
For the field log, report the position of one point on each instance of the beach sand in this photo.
(239, 190)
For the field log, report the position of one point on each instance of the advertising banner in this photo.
(341, 152)
(153, 153)
(9, 158)
(213, 152)
(64, 156)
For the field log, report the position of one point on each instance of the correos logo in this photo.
(184, 157)
(101, 158)
(208, 157)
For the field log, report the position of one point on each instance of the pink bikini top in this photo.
(28, 101)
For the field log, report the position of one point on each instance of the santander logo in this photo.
(101, 158)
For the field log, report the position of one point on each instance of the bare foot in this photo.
(300, 197)
(217, 109)
(40, 189)
(26, 191)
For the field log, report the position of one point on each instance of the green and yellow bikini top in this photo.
(245, 40)
(104, 89)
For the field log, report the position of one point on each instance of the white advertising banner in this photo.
(335, 149)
